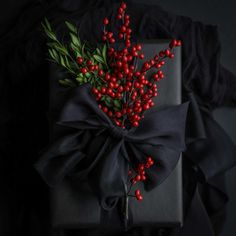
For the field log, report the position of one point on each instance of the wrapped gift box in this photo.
(73, 204)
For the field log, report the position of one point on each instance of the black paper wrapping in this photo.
(74, 205)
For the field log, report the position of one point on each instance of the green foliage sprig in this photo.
(66, 55)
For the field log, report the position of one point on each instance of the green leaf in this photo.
(75, 49)
(80, 79)
(107, 103)
(71, 27)
(98, 58)
(104, 51)
(75, 40)
(117, 103)
(98, 51)
(50, 34)
(47, 24)
(56, 57)
(88, 75)
(62, 61)
(82, 51)
(51, 53)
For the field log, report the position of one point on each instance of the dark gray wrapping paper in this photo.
(73, 205)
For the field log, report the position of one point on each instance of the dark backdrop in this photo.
(217, 12)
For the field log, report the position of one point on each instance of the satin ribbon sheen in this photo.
(99, 152)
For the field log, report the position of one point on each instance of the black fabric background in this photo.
(217, 12)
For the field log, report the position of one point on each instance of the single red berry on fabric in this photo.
(105, 21)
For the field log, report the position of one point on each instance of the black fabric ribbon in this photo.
(100, 152)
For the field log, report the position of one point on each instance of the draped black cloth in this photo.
(24, 103)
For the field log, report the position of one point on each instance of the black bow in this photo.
(100, 152)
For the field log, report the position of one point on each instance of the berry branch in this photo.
(122, 91)
(138, 175)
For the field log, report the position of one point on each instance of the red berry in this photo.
(110, 114)
(179, 43)
(145, 106)
(141, 56)
(123, 5)
(121, 36)
(137, 192)
(139, 197)
(139, 47)
(120, 10)
(84, 70)
(143, 177)
(112, 40)
(105, 21)
(118, 114)
(100, 73)
(137, 177)
(156, 58)
(119, 16)
(161, 54)
(80, 60)
(105, 109)
(123, 29)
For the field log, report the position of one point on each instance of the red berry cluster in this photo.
(140, 175)
(132, 89)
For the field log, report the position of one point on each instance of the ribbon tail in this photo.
(109, 177)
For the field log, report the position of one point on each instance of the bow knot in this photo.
(117, 132)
